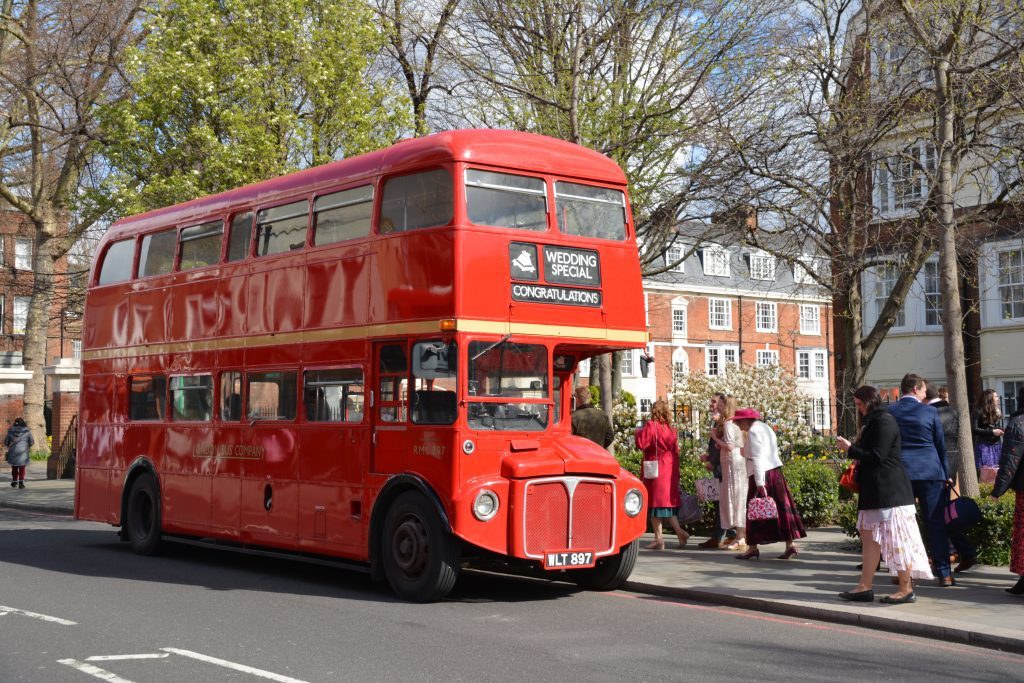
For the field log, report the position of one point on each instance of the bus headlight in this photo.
(486, 505)
(634, 502)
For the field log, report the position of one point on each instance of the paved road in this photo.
(75, 603)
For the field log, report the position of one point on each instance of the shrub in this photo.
(39, 454)
(691, 468)
(815, 488)
(846, 516)
(992, 536)
(630, 459)
(624, 421)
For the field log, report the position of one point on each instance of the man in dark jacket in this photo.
(923, 452)
(591, 422)
(1011, 476)
(938, 398)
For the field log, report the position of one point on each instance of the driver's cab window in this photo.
(434, 383)
(394, 383)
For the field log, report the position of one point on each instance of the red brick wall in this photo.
(10, 407)
(65, 407)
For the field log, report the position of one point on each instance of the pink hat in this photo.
(746, 414)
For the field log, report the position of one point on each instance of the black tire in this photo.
(142, 516)
(610, 573)
(420, 558)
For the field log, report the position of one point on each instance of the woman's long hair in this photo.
(661, 413)
(728, 408)
(869, 396)
(988, 409)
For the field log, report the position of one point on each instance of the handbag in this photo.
(848, 480)
(689, 509)
(650, 469)
(988, 475)
(961, 513)
(760, 509)
(707, 489)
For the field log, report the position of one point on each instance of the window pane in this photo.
(231, 396)
(334, 395)
(117, 263)
(590, 211)
(192, 398)
(343, 215)
(20, 318)
(282, 228)
(434, 382)
(200, 245)
(420, 200)
(147, 397)
(272, 395)
(23, 253)
(238, 240)
(157, 254)
(505, 200)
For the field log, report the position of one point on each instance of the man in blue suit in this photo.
(924, 458)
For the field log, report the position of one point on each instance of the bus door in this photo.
(230, 450)
(390, 408)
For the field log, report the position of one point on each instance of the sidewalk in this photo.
(976, 611)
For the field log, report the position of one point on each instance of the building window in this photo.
(932, 294)
(885, 281)
(645, 406)
(20, 318)
(811, 364)
(767, 315)
(718, 358)
(1011, 284)
(716, 261)
(674, 259)
(902, 180)
(803, 270)
(720, 314)
(23, 253)
(1011, 388)
(678, 322)
(767, 357)
(810, 319)
(76, 349)
(762, 267)
(680, 365)
(1009, 162)
(626, 362)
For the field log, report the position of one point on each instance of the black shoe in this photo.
(965, 565)
(889, 600)
(14, 484)
(21, 484)
(859, 596)
(1017, 588)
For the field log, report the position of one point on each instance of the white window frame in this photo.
(719, 357)
(672, 254)
(1008, 388)
(76, 349)
(810, 320)
(882, 286)
(19, 318)
(716, 261)
(680, 364)
(644, 406)
(1010, 288)
(901, 181)
(766, 316)
(627, 362)
(762, 266)
(931, 287)
(678, 320)
(816, 363)
(767, 357)
(23, 253)
(715, 317)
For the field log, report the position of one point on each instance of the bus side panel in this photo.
(149, 315)
(337, 293)
(197, 308)
(226, 483)
(186, 480)
(334, 457)
(107, 318)
(95, 452)
(270, 483)
(274, 293)
(414, 277)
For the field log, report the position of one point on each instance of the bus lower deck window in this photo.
(272, 395)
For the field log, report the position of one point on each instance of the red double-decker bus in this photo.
(371, 361)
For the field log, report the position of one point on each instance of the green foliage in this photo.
(992, 536)
(39, 454)
(815, 488)
(816, 447)
(690, 470)
(624, 421)
(630, 459)
(234, 91)
(847, 517)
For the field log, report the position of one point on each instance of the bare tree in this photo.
(60, 65)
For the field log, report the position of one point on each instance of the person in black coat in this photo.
(886, 517)
(938, 398)
(1011, 476)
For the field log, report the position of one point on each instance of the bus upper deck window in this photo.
(590, 211)
(239, 236)
(342, 215)
(282, 228)
(157, 254)
(420, 200)
(505, 200)
(200, 245)
(117, 263)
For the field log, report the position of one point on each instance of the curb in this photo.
(947, 634)
(44, 508)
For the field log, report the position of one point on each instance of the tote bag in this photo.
(707, 489)
(650, 469)
(689, 509)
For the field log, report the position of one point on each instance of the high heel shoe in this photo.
(657, 545)
(754, 554)
(683, 539)
(790, 552)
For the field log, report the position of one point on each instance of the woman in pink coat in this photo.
(657, 439)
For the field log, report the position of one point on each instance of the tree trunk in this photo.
(952, 329)
(36, 331)
(616, 375)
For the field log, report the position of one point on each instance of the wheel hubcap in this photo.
(410, 547)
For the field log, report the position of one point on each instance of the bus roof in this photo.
(483, 146)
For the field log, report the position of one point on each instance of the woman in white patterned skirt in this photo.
(886, 516)
(732, 498)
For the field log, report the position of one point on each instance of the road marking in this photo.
(4, 609)
(118, 658)
(94, 671)
(232, 665)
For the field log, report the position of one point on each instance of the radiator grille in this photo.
(548, 520)
(547, 517)
(592, 515)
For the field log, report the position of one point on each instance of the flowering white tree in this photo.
(770, 390)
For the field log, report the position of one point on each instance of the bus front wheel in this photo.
(142, 521)
(611, 572)
(420, 558)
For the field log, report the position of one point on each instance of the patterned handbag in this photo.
(760, 509)
(707, 489)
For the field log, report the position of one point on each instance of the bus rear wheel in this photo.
(610, 573)
(420, 557)
(142, 521)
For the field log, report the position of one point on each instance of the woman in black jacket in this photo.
(886, 516)
(1011, 476)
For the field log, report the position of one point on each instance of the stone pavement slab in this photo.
(52, 496)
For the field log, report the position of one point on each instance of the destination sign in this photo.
(556, 295)
(567, 266)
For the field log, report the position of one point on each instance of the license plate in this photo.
(568, 559)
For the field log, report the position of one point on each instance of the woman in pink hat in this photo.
(765, 469)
